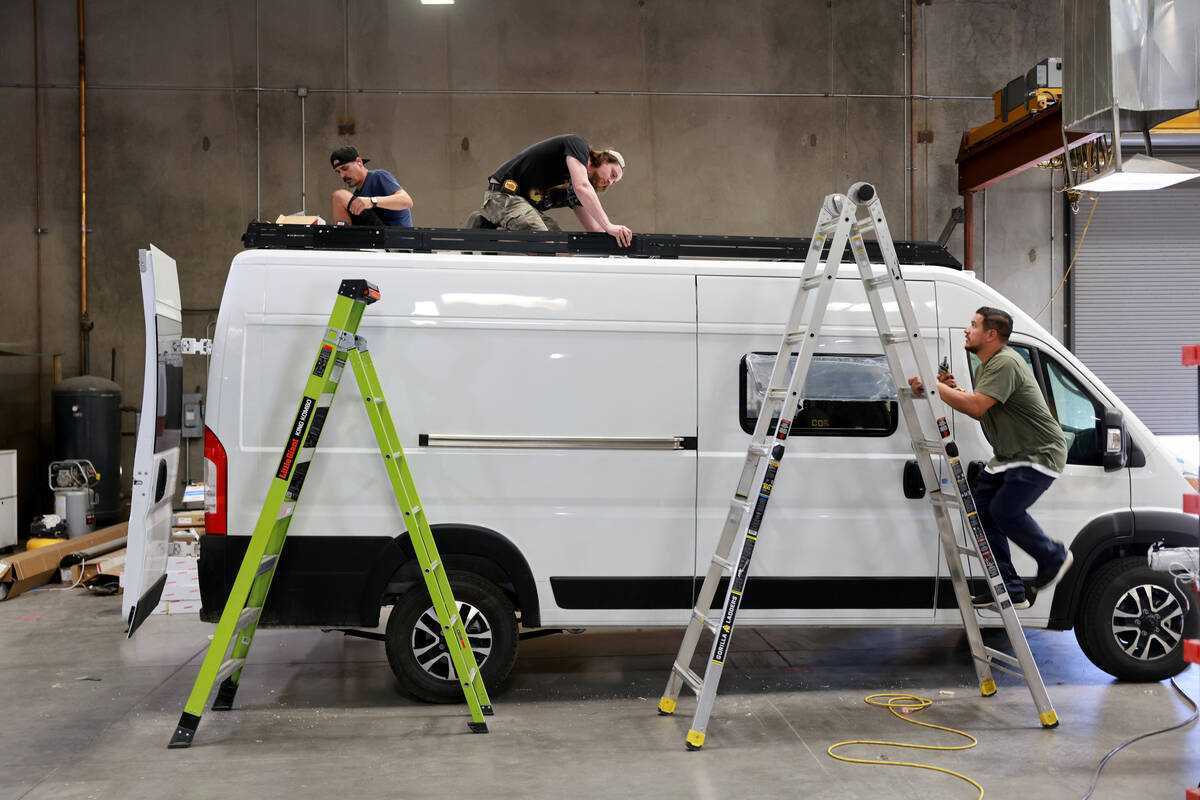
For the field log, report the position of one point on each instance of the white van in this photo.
(576, 427)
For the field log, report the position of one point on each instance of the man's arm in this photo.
(973, 404)
(591, 204)
(397, 201)
(585, 219)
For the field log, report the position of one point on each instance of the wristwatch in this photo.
(374, 201)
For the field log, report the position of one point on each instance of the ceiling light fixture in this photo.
(1138, 173)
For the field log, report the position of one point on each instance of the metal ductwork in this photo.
(1134, 60)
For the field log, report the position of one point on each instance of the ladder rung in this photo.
(758, 449)
(248, 616)
(892, 337)
(967, 551)
(945, 500)
(266, 565)
(432, 566)
(879, 280)
(997, 655)
(724, 563)
(690, 678)
(777, 394)
(933, 446)
(228, 668)
(795, 337)
(711, 624)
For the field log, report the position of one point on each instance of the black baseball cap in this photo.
(345, 155)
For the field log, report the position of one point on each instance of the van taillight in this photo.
(216, 476)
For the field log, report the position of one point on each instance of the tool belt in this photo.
(505, 187)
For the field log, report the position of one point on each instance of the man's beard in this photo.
(971, 348)
(594, 180)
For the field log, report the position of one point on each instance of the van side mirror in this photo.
(1114, 440)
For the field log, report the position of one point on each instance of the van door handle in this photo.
(914, 484)
(974, 469)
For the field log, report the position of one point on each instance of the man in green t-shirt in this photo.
(1029, 449)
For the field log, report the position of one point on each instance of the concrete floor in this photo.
(86, 714)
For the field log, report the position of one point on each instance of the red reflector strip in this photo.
(1191, 355)
(1191, 503)
(1191, 650)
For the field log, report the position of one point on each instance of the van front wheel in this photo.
(1132, 622)
(417, 650)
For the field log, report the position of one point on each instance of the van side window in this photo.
(1078, 414)
(843, 395)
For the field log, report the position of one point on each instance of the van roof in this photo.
(645, 245)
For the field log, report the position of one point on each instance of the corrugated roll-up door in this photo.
(1136, 296)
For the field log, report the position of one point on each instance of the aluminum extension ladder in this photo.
(239, 620)
(839, 221)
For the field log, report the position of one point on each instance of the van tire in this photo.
(1125, 594)
(484, 609)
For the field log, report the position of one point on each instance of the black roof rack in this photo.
(645, 245)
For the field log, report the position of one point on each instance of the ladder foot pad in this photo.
(184, 732)
(224, 699)
(487, 711)
(478, 727)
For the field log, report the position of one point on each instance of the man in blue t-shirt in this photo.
(374, 197)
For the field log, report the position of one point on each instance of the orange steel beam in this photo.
(1030, 141)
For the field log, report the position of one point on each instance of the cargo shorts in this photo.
(515, 213)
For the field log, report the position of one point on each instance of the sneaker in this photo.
(984, 602)
(1048, 577)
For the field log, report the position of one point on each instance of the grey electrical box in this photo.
(193, 416)
(1045, 74)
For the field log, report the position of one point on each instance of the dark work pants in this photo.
(1003, 500)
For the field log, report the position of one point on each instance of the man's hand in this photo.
(623, 235)
(359, 204)
(915, 384)
(948, 379)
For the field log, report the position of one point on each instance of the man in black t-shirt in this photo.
(562, 171)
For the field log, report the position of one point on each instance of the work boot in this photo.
(984, 602)
(1048, 577)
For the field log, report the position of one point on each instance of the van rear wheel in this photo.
(417, 650)
(1132, 622)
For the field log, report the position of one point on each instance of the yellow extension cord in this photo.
(910, 704)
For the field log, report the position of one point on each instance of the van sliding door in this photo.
(840, 542)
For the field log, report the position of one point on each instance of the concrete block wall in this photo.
(733, 117)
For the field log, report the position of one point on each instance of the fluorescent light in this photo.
(1139, 173)
(437, 2)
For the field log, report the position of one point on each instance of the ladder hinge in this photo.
(192, 347)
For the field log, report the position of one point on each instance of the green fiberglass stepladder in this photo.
(240, 618)
(839, 223)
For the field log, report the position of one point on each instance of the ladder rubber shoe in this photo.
(1047, 578)
(985, 602)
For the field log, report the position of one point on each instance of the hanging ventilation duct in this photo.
(1139, 59)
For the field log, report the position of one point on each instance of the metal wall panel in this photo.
(1136, 285)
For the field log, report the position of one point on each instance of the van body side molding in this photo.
(559, 442)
